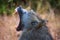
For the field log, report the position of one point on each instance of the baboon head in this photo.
(28, 20)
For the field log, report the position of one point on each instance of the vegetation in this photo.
(55, 3)
(8, 6)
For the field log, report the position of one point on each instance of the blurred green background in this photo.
(8, 6)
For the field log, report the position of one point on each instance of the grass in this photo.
(5, 10)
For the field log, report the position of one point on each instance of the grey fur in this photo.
(34, 27)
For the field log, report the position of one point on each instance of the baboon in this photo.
(34, 28)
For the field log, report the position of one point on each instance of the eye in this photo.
(34, 23)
